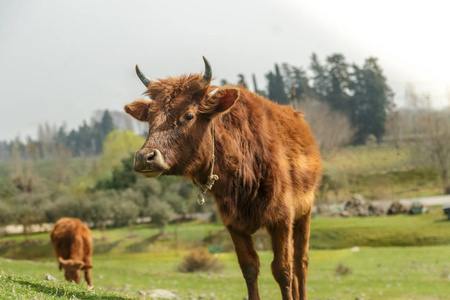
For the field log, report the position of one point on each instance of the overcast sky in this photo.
(61, 60)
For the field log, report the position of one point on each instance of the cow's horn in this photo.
(208, 72)
(62, 260)
(142, 77)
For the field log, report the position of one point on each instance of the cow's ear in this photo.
(138, 109)
(222, 100)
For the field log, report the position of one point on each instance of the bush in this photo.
(342, 270)
(200, 260)
(161, 213)
(333, 181)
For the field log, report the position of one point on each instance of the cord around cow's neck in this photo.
(203, 188)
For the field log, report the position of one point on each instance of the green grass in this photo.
(377, 273)
(326, 233)
(127, 261)
(26, 287)
(142, 238)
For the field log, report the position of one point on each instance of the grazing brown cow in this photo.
(265, 156)
(72, 244)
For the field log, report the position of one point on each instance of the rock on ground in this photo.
(50, 277)
(162, 294)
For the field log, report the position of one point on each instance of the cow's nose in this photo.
(146, 159)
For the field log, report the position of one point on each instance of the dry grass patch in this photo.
(199, 260)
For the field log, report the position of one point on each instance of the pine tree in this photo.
(61, 137)
(255, 87)
(320, 84)
(107, 123)
(276, 87)
(296, 80)
(241, 80)
(371, 101)
(338, 83)
(255, 84)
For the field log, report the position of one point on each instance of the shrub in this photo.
(342, 270)
(200, 260)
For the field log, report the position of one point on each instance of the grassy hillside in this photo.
(379, 172)
(375, 273)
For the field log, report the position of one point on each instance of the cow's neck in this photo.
(204, 185)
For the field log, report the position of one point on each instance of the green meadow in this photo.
(375, 273)
(400, 257)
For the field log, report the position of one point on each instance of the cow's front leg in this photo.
(87, 271)
(248, 260)
(88, 277)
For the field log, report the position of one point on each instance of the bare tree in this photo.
(393, 128)
(331, 128)
(436, 143)
(430, 131)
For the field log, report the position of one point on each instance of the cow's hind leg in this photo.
(248, 261)
(281, 236)
(301, 257)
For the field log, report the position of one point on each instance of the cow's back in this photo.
(71, 238)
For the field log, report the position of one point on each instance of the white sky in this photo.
(61, 60)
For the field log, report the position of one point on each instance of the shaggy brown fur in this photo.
(267, 160)
(72, 244)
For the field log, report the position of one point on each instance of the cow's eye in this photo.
(189, 117)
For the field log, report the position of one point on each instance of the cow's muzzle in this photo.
(149, 162)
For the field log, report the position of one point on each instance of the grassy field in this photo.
(376, 273)
(128, 261)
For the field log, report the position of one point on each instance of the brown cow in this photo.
(265, 157)
(72, 244)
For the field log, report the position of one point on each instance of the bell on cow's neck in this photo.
(200, 198)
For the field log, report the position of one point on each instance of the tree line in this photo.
(55, 142)
(359, 92)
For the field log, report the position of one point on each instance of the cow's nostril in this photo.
(151, 155)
